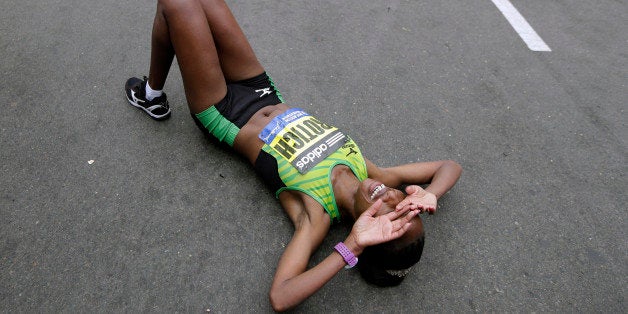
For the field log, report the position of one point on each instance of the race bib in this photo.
(302, 139)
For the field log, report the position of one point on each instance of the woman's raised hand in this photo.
(418, 198)
(371, 230)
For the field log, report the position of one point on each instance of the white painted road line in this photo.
(521, 26)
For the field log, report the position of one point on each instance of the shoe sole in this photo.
(154, 116)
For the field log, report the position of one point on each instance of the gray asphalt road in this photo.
(103, 209)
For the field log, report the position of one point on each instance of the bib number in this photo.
(302, 139)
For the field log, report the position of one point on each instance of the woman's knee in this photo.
(169, 7)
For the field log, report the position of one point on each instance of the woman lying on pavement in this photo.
(317, 172)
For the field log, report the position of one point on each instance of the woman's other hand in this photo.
(418, 198)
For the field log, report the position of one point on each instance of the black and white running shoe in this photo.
(157, 108)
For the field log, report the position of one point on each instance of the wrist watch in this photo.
(346, 254)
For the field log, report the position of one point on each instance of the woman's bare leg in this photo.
(211, 49)
(196, 53)
(161, 52)
(237, 58)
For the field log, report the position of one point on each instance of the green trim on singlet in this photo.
(223, 129)
(317, 182)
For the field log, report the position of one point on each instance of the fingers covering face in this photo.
(371, 211)
(401, 218)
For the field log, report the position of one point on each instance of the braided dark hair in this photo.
(387, 264)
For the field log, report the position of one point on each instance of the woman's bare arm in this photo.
(440, 175)
(293, 282)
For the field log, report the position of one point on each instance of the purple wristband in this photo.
(347, 255)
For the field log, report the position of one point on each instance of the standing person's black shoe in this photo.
(157, 108)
